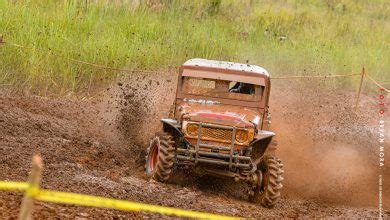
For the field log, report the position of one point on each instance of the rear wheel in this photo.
(267, 191)
(159, 157)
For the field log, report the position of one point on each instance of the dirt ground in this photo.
(96, 145)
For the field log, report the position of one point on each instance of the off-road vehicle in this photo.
(219, 126)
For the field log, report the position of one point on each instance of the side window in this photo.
(246, 90)
(243, 88)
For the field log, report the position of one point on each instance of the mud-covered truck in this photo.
(219, 126)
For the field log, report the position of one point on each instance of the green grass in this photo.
(321, 37)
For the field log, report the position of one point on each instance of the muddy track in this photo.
(96, 146)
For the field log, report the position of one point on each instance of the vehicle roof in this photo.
(225, 65)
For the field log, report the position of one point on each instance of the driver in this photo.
(244, 88)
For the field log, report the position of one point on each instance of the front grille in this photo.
(213, 143)
(216, 134)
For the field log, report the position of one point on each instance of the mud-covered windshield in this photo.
(222, 89)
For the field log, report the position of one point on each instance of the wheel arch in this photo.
(262, 141)
(172, 126)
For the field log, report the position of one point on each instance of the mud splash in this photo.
(135, 104)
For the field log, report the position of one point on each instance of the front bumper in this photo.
(232, 158)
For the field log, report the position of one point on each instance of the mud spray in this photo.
(139, 101)
(328, 147)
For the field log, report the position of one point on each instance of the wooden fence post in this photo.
(360, 88)
(32, 190)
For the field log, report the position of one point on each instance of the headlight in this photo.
(242, 136)
(192, 129)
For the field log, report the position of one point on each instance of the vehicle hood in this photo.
(220, 114)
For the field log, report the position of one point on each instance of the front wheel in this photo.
(267, 191)
(159, 157)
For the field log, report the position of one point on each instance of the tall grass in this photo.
(284, 36)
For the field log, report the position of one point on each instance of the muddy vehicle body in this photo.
(219, 125)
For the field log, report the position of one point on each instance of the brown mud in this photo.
(96, 146)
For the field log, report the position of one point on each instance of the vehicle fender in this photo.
(263, 135)
(171, 125)
(262, 141)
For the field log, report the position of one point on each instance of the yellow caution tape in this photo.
(13, 186)
(101, 202)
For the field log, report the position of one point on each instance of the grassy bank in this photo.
(286, 37)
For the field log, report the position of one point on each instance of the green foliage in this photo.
(284, 36)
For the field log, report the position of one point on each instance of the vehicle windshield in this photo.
(222, 89)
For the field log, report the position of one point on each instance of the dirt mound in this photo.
(95, 146)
